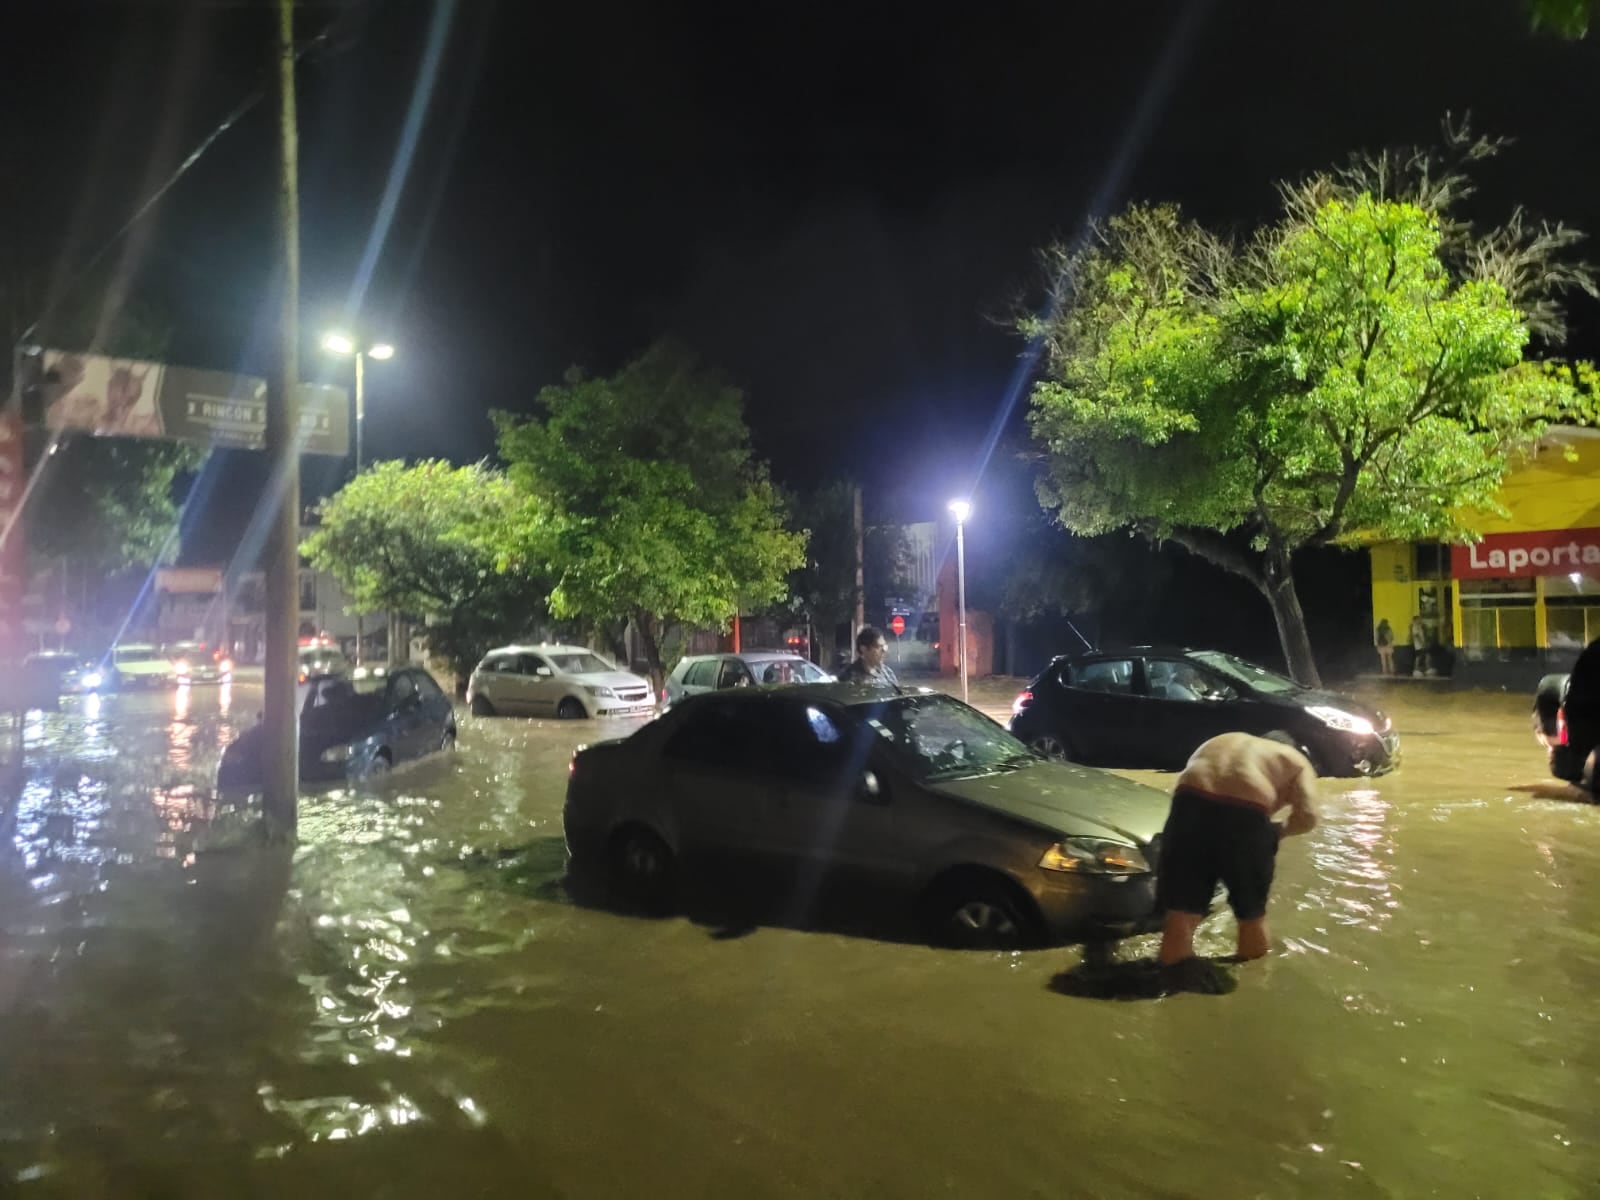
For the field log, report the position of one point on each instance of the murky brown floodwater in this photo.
(396, 1010)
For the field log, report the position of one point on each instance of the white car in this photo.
(555, 681)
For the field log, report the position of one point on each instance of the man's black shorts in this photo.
(1207, 841)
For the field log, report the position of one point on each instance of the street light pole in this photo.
(342, 343)
(962, 510)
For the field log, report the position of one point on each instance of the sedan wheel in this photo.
(642, 869)
(978, 913)
(448, 742)
(481, 706)
(379, 766)
(570, 710)
(1052, 747)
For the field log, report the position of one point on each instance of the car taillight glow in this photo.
(1561, 726)
(1021, 702)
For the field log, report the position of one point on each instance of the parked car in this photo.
(47, 676)
(926, 800)
(353, 730)
(138, 665)
(568, 682)
(321, 657)
(713, 672)
(1566, 718)
(1151, 707)
(196, 662)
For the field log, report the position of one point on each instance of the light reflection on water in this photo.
(411, 978)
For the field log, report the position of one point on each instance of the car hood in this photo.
(1068, 800)
(1311, 696)
(610, 679)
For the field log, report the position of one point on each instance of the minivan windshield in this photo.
(580, 664)
(1236, 669)
(937, 737)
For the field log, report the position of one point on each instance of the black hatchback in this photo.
(1151, 707)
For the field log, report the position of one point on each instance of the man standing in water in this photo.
(1221, 830)
(871, 666)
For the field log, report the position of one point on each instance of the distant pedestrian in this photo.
(1419, 646)
(1383, 639)
(871, 665)
(1221, 830)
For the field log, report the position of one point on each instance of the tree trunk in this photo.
(652, 650)
(1285, 601)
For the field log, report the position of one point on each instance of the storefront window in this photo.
(1498, 614)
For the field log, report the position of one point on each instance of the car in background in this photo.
(319, 656)
(568, 682)
(196, 662)
(138, 665)
(1566, 718)
(353, 731)
(936, 809)
(1151, 707)
(715, 672)
(48, 675)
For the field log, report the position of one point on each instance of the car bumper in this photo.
(1091, 907)
(604, 707)
(1370, 756)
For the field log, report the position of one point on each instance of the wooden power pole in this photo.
(281, 751)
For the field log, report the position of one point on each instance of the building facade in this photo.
(1529, 591)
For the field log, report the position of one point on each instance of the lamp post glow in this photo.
(962, 510)
(337, 342)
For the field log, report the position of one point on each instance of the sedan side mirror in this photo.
(542, 671)
(1219, 694)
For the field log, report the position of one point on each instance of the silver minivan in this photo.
(912, 793)
(716, 672)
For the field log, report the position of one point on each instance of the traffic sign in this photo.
(897, 624)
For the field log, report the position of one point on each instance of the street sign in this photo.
(126, 397)
(897, 624)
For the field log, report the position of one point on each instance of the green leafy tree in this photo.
(653, 508)
(439, 542)
(1566, 18)
(1356, 371)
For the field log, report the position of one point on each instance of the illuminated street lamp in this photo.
(962, 511)
(338, 342)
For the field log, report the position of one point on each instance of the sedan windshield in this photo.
(787, 670)
(938, 737)
(580, 664)
(1252, 676)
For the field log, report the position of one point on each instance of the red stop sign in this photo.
(898, 624)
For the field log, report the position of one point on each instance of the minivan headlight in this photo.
(1337, 718)
(1094, 856)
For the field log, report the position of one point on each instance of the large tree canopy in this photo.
(435, 541)
(1332, 380)
(654, 508)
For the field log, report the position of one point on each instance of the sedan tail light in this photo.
(1021, 702)
(1561, 726)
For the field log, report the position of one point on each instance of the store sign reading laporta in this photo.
(126, 397)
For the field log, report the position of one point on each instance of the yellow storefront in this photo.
(1531, 587)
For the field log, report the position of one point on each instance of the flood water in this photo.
(408, 1004)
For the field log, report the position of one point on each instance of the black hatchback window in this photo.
(1109, 675)
(735, 736)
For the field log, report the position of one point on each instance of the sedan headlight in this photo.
(1094, 856)
(600, 691)
(336, 754)
(1337, 718)
(92, 680)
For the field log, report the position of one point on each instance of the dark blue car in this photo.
(354, 730)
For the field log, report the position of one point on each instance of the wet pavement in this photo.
(409, 1004)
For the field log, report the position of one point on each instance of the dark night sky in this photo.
(831, 202)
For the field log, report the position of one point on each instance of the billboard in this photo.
(1514, 555)
(127, 397)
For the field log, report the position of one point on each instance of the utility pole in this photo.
(861, 574)
(281, 752)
